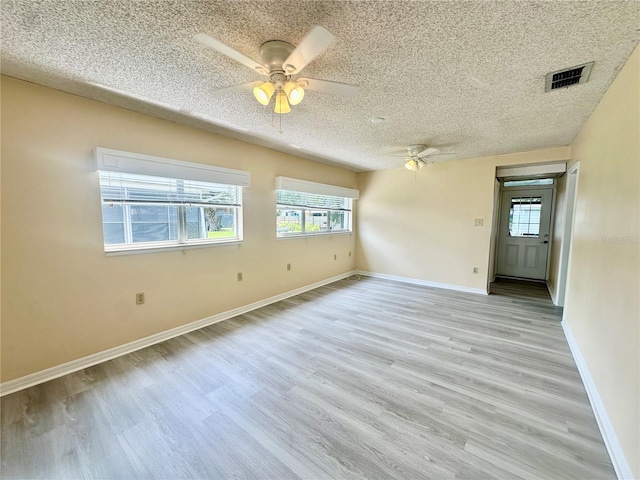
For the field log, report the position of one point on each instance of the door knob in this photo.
(546, 241)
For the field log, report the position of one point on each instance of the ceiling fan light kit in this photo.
(282, 105)
(414, 164)
(273, 54)
(264, 92)
(295, 93)
(280, 60)
(419, 154)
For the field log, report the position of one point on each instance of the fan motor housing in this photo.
(278, 78)
(414, 150)
(274, 53)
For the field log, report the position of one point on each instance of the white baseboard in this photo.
(620, 464)
(553, 293)
(73, 366)
(426, 283)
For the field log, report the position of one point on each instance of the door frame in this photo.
(567, 233)
(551, 187)
(495, 230)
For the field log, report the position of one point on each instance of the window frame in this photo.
(521, 186)
(126, 163)
(312, 188)
(303, 220)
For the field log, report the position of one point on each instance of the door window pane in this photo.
(524, 216)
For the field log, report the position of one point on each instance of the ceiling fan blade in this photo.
(217, 45)
(429, 151)
(313, 44)
(236, 88)
(327, 87)
(441, 157)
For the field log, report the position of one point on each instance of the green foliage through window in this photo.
(300, 213)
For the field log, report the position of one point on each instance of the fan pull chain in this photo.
(279, 99)
(277, 107)
(273, 124)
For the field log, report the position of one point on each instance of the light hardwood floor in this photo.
(359, 379)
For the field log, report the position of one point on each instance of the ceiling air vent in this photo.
(567, 77)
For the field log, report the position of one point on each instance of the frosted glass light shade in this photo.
(414, 165)
(264, 92)
(295, 94)
(282, 105)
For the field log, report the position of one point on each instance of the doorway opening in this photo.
(526, 208)
(522, 222)
(527, 290)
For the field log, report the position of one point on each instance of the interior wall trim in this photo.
(426, 283)
(618, 459)
(552, 293)
(42, 376)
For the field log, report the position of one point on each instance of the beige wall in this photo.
(602, 306)
(422, 226)
(62, 297)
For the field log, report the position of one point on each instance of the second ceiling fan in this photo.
(281, 60)
(419, 155)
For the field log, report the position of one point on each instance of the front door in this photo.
(523, 245)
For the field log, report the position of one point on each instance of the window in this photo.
(524, 216)
(528, 183)
(308, 208)
(152, 211)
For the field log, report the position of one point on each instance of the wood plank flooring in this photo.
(359, 379)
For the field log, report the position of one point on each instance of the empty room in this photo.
(320, 239)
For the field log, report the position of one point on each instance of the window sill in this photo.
(307, 235)
(167, 248)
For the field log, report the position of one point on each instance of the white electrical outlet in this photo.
(139, 298)
(475, 269)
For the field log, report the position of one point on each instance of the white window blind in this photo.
(312, 200)
(152, 202)
(310, 208)
(129, 189)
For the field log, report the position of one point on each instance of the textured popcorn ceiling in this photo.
(467, 77)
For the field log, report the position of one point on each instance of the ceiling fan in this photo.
(281, 60)
(419, 156)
